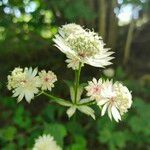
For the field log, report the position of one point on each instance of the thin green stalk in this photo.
(60, 101)
(87, 103)
(77, 80)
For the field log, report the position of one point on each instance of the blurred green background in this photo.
(26, 31)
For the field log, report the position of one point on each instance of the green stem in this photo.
(60, 101)
(87, 103)
(77, 80)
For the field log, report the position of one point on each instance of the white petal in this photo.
(29, 96)
(20, 97)
(115, 113)
(104, 109)
(102, 102)
(109, 113)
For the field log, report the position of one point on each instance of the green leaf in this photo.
(79, 144)
(58, 131)
(22, 118)
(71, 111)
(86, 101)
(9, 133)
(87, 110)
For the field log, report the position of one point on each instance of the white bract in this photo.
(83, 45)
(47, 80)
(113, 98)
(46, 142)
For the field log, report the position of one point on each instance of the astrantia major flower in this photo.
(114, 98)
(47, 80)
(24, 83)
(85, 45)
(73, 62)
(94, 89)
(45, 142)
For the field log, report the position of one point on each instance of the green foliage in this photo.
(58, 131)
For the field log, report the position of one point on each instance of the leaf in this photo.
(80, 91)
(58, 131)
(87, 110)
(72, 93)
(79, 144)
(71, 111)
(22, 118)
(85, 101)
(63, 103)
(72, 90)
(9, 133)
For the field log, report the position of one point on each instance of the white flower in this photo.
(24, 83)
(114, 98)
(16, 75)
(47, 80)
(84, 45)
(73, 62)
(46, 142)
(94, 89)
(70, 28)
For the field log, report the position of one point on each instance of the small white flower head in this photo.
(70, 28)
(114, 98)
(85, 45)
(109, 72)
(13, 79)
(24, 83)
(73, 62)
(46, 142)
(94, 89)
(47, 80)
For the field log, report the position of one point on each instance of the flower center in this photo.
(46, 79)
(82, 55)
(97, 89)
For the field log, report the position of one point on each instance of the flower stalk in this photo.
(55, 99)
(77, 81)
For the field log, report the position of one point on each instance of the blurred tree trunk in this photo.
(91, 23)
(102, 18)
(112, 25)
(128, 42)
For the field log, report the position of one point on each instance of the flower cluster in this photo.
(46, 142)
(115, 98)
(82, 46)
(28, 82)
